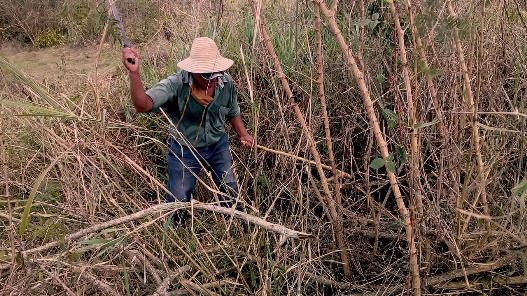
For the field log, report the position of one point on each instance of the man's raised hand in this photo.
(131, 59)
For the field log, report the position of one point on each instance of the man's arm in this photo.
(142, 102)
(245, 137)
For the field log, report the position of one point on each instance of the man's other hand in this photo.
(247, 141)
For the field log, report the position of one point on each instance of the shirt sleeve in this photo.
(234, 109)
(163, 93)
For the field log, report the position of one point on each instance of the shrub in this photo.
(49, 38)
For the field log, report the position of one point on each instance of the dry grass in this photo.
(72, 143)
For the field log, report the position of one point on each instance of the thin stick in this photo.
(181, 292)
(163, 287)
(133, 254)
(515, 113)
(496, 281)
(104, 287)
(484, 267)
(474, 110)
(60, 282)
(101, 43)
(415, 192)
(327, 167)
(322, 96)
(198, 288)
(429, 81)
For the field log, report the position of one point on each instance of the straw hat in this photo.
(205, 58)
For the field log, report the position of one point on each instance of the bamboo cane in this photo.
(331, 203)
(381, 142)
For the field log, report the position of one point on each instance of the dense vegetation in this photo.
(416, 109)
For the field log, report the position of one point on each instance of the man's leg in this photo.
(220, 162)
(182, 169)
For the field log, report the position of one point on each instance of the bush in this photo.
(49, 38)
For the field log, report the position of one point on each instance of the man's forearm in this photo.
(141, 101)
(238, 126)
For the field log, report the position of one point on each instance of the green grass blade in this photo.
(10, 69)
(36, 110)
(24, 222)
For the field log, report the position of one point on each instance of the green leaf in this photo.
(126, 278)
(426, 124)
(4, 257)
(110, 230)
(34, 87)
(380, 77)
(374, 24)
(390, 166)
(521, 188)
(36, 110)
(427, 70)
(520, 191)
(390, 116)
(95, 241)
(377, 163)
(24, 221)
(401, 153)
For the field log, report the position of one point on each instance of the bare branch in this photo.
(171, 207)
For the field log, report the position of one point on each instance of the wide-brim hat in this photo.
(204, 58)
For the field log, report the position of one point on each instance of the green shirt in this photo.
(201, 126)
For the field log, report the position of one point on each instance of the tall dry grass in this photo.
(82, 173)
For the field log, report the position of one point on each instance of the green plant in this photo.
(49, 38)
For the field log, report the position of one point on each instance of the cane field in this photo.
(390, 152)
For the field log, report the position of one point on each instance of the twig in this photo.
(429, 81)
(163, 287)
(515, 113)
(484, 267)
(200, 289)
(323, 105)
(499, 129)
(133, 254)
(60, 282)
(393, 289)
(104, 287)
(341, 173)
(181, 292)
(489, 220)
(498, 279)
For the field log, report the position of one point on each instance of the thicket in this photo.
(392, 133)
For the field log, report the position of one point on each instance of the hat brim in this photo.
(216, 65)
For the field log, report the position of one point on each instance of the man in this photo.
(199, 98)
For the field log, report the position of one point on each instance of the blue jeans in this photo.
(184, 165)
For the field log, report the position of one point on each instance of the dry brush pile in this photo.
(391, 156)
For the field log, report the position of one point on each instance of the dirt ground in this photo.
(56, 62)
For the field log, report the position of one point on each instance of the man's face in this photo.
(202, 82)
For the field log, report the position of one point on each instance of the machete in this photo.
(119, 22)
